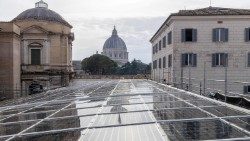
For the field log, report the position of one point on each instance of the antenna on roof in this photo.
(210, 3)
(185, 7)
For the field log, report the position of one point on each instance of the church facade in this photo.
(39, 44)
(116, 49)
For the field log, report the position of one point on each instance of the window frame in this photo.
(217, 60)
(170, 60)
(191, 60)
(40, 59)
(170, 38)
(217, 35)
(194, 33)
(164, 42)
(159, 63)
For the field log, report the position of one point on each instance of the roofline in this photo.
(174, 15)
(68, 25)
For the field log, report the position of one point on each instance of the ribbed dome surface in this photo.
(114, 42)
(43, 14)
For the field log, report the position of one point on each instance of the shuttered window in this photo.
(246, 89)
(219, 60)
(156, 48)
(164, 42)
(155, 64)
(35, 57)
(189, 35)
(164, 62)
(220, 35)
(189, 59)
(247, 34)
(170, 60)
(159, 45)
(159, 62)
(248, 59)
(170, 38)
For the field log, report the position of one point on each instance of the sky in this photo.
(135, 20)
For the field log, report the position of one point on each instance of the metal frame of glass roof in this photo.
(121, 110)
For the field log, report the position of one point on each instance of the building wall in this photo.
(55, 42)
(120, 60)
(236, 48)
(9, 59)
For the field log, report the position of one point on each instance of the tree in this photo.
(99, 64)
(134, 68)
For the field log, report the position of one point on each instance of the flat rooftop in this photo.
(129, 110)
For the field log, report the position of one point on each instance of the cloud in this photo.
(136, 33)
(93, 20)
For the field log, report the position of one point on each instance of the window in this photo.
(160, 45)
(164, 41)
(159, 62)
(170, 38)
(248, 59)
(156, 48)
(219, 60)
(246, 89)
(189, 59)
(247, 34)
(164, 62)
(155, 64)
(170, 60)
(189, 35)
(35, 57)
(220, 35)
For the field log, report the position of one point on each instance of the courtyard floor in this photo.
(129, 110)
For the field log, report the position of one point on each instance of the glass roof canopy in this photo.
(121, 110)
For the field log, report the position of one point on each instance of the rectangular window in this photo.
(164, 42)
(35, 57)
(246, 89)
(156, 48)
(248, 59)
(159, 62)
(170, 60)
(220, 35)
(155, 64)
(247, 34)
(160, 45)
(189, 35)
(219, 60)
(170, 38)
(189, 59)
(164, 62)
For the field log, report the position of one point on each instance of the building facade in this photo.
(115, 48)
(42, 48)
(206, 50)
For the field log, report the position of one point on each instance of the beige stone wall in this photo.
(9, 59)
(236, 48)
(58, 37)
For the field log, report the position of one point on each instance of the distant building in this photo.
(200, 46)
(115, 48)
(39, 44)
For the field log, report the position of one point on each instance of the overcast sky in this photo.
(93, 20)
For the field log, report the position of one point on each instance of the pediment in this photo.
(35, 30)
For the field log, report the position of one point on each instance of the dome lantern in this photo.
(41, 4)
(114, 31)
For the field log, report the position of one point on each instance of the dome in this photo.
(114, 42)
(41, 13)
